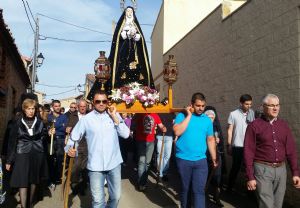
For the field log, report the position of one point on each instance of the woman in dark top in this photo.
(217, 173)
(26, 153)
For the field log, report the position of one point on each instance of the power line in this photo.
(58, 86)
(62, 92)
(28, 16)
(30, 12)
(75, 25)
(76, 41)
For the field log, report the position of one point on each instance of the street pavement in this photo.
(162, 195)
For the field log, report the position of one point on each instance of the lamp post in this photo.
(37, 62)
(37, 59)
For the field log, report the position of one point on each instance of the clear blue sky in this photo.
(66, 63)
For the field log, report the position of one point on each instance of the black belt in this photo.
(274, 165)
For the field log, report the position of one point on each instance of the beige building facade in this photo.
(253, 50)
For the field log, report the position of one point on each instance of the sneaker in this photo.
(52, 187)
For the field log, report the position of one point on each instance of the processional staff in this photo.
(64, 168)
(68, 180)
(52, 136)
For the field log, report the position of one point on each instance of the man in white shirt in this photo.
(101, 128)
(238, 121)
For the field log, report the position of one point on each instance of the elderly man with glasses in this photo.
(101, 128)
(268, 143)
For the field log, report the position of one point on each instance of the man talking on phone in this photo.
(101, 128)
(195, 132)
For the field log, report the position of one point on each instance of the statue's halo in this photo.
(122, 4)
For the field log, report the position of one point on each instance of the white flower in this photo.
(135, 85)
(116, 94)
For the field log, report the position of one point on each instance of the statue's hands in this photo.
(137, 37)
(124, 35)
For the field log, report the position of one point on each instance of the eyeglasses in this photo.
(272, 106)
(100, 101)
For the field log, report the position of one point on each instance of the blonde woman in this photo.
(26, 153)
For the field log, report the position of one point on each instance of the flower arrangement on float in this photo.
(133, 92)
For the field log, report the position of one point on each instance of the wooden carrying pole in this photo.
(68, 182)
(64, 169)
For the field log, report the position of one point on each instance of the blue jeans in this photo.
(113, 178)
(195, 173)
(168, 140)
(145, 152)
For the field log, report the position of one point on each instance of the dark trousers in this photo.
(192, 173)
(55, 161)
(237, 159)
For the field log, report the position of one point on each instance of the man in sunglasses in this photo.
(101, 128)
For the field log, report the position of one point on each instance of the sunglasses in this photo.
(100, 101)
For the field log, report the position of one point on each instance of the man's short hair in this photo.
(47, 107)
(81, 101)
(197, 96)
(55, 101)
(245, 97)
(267, 97)
(99, 92)
(72, 103)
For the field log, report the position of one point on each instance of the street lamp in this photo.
(40, 60)
(37, 62)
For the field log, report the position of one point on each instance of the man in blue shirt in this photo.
(59, 131)
(195, 132)
(101, 128)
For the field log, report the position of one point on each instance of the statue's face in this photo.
(129, 13)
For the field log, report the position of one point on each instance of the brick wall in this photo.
(11, 82)
(255, 50)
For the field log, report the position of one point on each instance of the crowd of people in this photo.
(100, 138)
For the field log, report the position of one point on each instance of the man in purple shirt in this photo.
(268, 143)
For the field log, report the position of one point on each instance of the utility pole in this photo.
(35, 51)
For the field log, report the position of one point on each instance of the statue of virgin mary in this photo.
(128, 55)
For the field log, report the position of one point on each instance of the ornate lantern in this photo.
(170, 70)
(102, 69)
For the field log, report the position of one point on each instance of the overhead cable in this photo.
(57, 86)
(70, 40)
(74, 25)
(30, 12)
(28, 16)
(62, 92)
